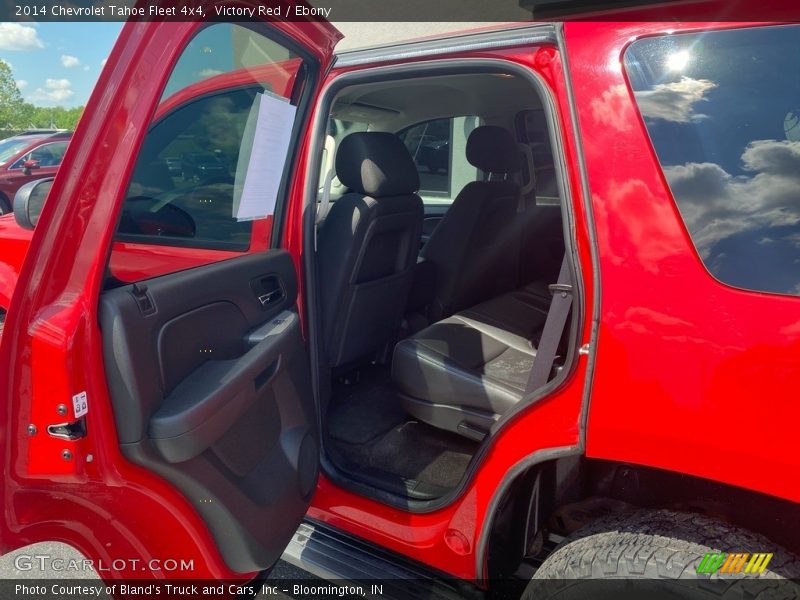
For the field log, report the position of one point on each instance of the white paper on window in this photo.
(269, 126)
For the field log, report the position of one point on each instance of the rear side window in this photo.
(723, 112)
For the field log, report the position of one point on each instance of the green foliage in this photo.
(10, 98)
(17, 115)
(59, 117)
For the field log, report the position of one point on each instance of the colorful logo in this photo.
(735, 562)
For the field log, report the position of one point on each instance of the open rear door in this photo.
(157, 377)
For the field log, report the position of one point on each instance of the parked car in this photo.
(435, 155)
(28, 156)
(596, 381)
(202, 166)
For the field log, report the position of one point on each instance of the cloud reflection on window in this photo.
(674, 101)
(726, 129)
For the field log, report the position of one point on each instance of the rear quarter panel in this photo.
(691, 375)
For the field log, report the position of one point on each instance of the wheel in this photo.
(655, 554)
(5, 205)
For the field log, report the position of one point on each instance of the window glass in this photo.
(438, 148)
(47, 155)
(723, 111)
(198, 148)
(10, 147)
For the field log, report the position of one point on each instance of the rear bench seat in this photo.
(462, 373)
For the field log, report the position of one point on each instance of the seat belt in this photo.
(553, 329)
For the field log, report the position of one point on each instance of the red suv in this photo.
(569, 350)
(26, 157)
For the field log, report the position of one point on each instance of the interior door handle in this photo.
(268, 290)
(270, 297)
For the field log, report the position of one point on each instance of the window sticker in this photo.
(256, 190)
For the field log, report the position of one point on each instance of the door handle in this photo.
(270, 297)
(72, 430)
(268, 290)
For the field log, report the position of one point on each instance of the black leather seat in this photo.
(368, 246)
(462, 373)
(475, 247)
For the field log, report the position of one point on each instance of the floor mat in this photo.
(377, 441)
(365, 412)
(417, 451)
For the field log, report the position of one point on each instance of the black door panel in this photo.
(210, 388)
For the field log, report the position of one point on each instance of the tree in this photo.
(16, 114)
(11, 103)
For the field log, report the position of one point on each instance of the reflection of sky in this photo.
(209, 53)
(722, 110)
(56, 64)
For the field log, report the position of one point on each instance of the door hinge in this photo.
(584, 350)
(73, 430)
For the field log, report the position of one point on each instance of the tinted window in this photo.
(723, 112)
(197, 151)
(189, 162)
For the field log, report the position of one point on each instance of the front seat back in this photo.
(368, 246)
(475, 247)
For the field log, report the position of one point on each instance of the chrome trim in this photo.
(517, 36)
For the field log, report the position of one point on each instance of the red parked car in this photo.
(28, 156)
(572, 353)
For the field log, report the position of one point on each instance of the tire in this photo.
(5, 205)
(654, 554)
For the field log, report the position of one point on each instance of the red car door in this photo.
(171, 417)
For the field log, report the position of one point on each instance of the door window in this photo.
(438, 148)
(723, 112)
(196, 156)
(10, 147)
(47, 155)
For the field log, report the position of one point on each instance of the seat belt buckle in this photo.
(562, 288)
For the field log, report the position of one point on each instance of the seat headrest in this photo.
(376, 164)
(493, 149)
